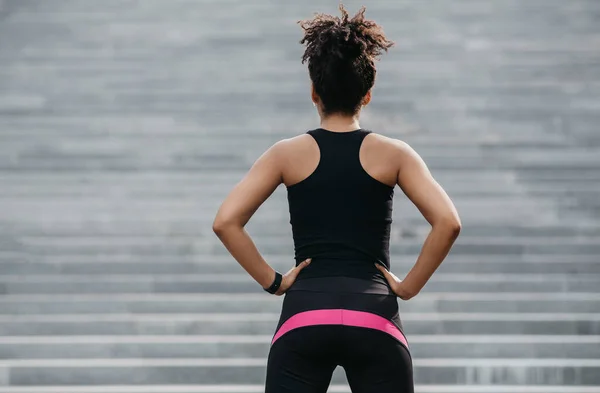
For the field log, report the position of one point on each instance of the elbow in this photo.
(455, 226)
(221, 225)
(455, 229)
(451, 225)
(217, 227)
(224, 224)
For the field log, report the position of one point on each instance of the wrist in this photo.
(268, 279)
(405, 291)
(274, 286)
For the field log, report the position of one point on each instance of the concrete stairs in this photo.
(124, 124)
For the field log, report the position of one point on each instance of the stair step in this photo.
(405, 228)
(251, 370)
(75, 241)
(473, 212)
(264, 323)
(208, 245)
(243, 283)
(234, 346)
(187, 262)
(516, 302)
(341, 388)
(285, 257)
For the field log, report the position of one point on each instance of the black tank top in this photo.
(340, 215)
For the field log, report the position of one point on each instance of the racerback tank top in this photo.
(340, 215)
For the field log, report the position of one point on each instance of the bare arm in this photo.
(415, 179)
(239, 206)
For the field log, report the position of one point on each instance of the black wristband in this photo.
(276, 284)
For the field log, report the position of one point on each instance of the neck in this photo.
(340, 123)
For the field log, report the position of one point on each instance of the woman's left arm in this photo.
(242, 202)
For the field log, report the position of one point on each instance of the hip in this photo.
(347, 275)
(359, 296)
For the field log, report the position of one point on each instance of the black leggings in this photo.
(320, 330)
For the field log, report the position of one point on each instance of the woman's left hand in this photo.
(290, 277)
(398, 286)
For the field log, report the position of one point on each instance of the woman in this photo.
(341, 306)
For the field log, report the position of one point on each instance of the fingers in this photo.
(290, 277)
(386, 273)
(296, 270)
(301, 265)
(304, 264)
(396, 284)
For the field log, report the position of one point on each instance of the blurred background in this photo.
(123, 124)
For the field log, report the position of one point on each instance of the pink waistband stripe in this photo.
(340, 317)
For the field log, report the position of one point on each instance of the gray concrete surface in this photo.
(123, 124)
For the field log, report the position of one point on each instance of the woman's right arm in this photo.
(415, 179)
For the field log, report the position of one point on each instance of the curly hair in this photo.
(341, 54)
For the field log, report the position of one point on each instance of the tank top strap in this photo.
(339, 148)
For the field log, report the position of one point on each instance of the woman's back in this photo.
(340, 214)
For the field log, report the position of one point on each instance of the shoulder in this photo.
(390, 148)
(289, 147)
(295, 142)
(285, 152)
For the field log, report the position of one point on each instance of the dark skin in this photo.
(392, 161)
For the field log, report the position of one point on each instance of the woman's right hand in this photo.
(398, 286)
(290, 277)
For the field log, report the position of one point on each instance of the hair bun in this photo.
(343, 38)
